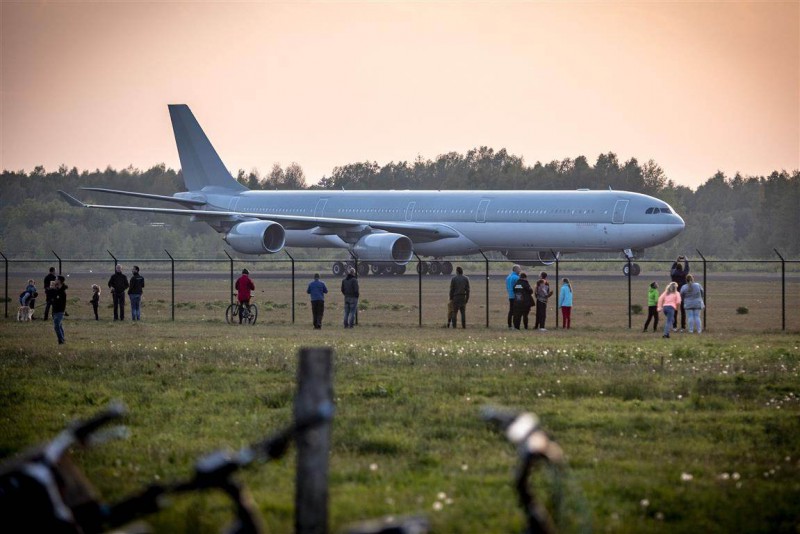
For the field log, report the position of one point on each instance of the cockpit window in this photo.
(658, 210)
(666, 210)
(651, 210)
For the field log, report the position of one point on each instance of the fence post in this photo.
(231, 261)
(486, 260)
(5, 296)
(59, 261)
(109, 253)
(314, 387)
(705, 290)
(291, 258)
(558, 293)
(355, 266)
(630, 303)
(783, 289)
(419, 290)
(171, 259)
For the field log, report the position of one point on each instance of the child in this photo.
(652, 307)
(95, 302)
(26, 296)
(565, 301)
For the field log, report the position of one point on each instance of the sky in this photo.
(696, 86)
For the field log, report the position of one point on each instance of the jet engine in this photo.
(256, 237)
(395, 248)
(532, 257)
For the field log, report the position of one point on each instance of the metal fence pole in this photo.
(5, 297)
(109, 253)
(171, 259)
(705, 289)
(558, 293)
(783, 289)
(314, 388)
(630, 275)
(486, 260)
(419, 290)
(291, 258)
(231, 260)
(59, 261)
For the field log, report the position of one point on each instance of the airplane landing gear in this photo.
(634, 269)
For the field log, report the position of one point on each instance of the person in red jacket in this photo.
(243, 288)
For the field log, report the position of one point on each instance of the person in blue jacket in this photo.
(565, 302)
(511, 281)
(317, 290)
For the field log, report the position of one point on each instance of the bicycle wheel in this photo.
(253, 314)
(231, 313)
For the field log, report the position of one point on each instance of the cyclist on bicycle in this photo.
(244, 285)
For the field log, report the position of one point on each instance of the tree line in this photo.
(726, 217)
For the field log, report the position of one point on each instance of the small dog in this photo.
(25, 313)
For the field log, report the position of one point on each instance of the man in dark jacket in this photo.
(678, 272)
(351, 294)
(49, 279)
(118, 284)
(459, 294)
(317, 290)
(523, 300)
(135, 294)
(57, 296)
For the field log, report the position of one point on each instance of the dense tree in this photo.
(743, 216)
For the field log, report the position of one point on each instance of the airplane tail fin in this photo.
(200, 163)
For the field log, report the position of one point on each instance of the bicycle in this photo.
(44, 491)
(248, 313)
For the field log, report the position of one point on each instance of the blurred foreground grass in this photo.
(692, 434)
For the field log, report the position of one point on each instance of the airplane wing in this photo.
(188, 202)
(415, 231)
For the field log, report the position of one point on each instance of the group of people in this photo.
(522, 298)
(350, 290)
(682, 296)
(56, 297)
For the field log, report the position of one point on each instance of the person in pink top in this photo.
(668, 302)
(243, 288)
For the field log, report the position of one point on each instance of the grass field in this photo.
(691, 434)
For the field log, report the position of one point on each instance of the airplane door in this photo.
(233, 203)
(319, 211)
(410, 211)
(480, 215)
(619, 212)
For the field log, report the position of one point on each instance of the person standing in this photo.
(565, 302)
(317, 290)
(95, 302)
(692, 296)
(351, 294)
(48, 280)
(678, 273)
(118, 284)
(244, 286)
(135, 289)
(652, 307)
(669, 302)
(523, 300)
(543, 293)
(57, 295)
(511, 281)
(459, 294)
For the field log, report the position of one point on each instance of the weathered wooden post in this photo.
(314, 388)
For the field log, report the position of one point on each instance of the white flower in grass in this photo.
(437, 506)
(441, 495)
(373, 467)
(464, 467)
(644, 503)
(687, 477)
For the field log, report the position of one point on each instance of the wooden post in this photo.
(314, 388)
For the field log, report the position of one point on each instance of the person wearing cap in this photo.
(351, 294)
(244, 285)
(317, 290)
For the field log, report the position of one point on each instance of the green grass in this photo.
(633, 412)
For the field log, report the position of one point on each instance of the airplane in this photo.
(383, 230)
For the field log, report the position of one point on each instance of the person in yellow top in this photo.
(668, 302)
(652, 307)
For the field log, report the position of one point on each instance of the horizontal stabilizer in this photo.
(183, 201)
(72, 200)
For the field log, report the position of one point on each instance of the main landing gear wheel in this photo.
(436, 268)
(634, 269)
(363, 269)
(447, 268)
(338, 269)
(423, 267)
(399, 269)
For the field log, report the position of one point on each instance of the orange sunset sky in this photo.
(696, 86)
